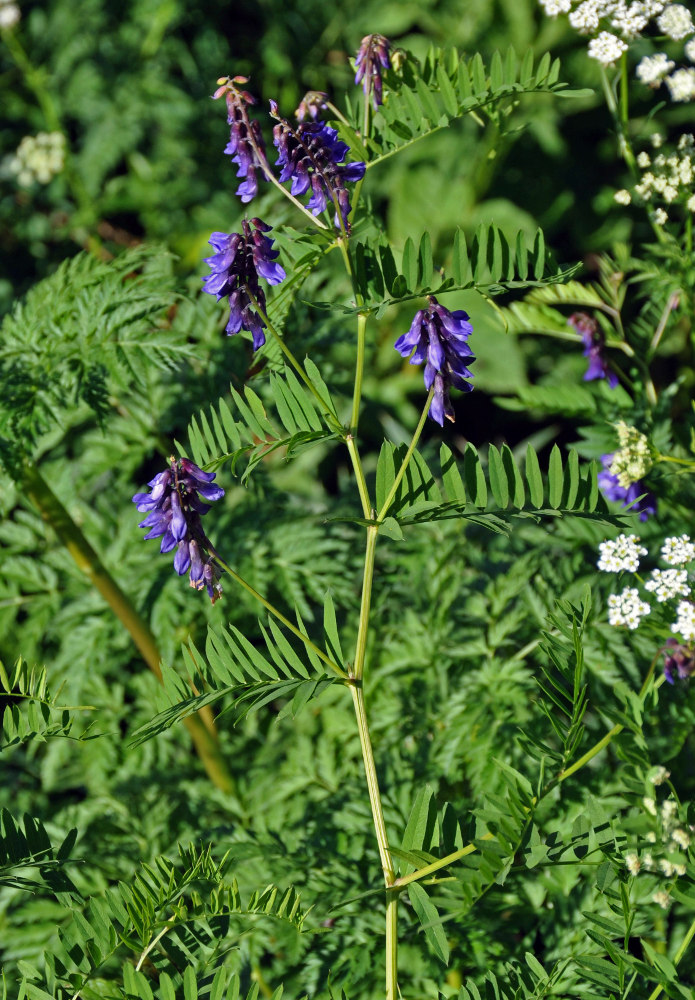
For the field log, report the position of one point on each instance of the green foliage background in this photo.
(465, 620)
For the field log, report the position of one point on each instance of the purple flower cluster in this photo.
(594, 344)
(629, 496)
(440, 337)
(371, 59)
(679, 660)
(174, 510)
(245, 145)
(235, 267)
(311, 156)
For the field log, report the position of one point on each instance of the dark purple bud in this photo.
(594, 345)
(371, 59)
(439, 337)
(312, 105)
(679, 660)
(245, 146)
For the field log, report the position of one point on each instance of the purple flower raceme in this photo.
(371, 59)
(679, 660)
(440, 337)
(174, 509)
(311, 156)
(594, 345)
(629, 496)
(236, 266)
(245, 145)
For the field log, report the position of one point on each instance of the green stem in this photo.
(382, 842)
(359, 370)
(201, 726)
(357, 692)
(367, 582)
(406, 460)
(359, 476)
(690, 933)
(277, 614)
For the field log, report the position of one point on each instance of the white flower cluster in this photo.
(620, 553)
(652, 69)
(633, 460)
(623, 554)
(606, 48)
(685, 622)
(676, 21)
(666, 584)
(37, 158)
(615, 23)
(9, 14)
(678, 550)
(627, 608)
(671, 839)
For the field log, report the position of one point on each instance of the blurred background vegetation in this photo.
(129, 85)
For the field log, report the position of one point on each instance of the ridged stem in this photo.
(201, 727)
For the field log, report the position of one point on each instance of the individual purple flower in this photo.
(174, 508)
(236, 266)
(371, 59)
(679, 660)
(245, 146)
(311, 156)
(312, 105)
(594, 344)
(440, 337)
(629, 496)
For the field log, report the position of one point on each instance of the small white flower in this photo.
(623, 197)
(662, 898)
(650, 805)
(678, 550)
(656, 140)
(690, 49)
(587, 16)
(668, 811)
(668, 583)
(652, 69)
(659, 775)
(676, 21)
(685, 622)
(632, 863)
(9, 15)
(606, 48)
(690, 203)
(643, 160)
(626, 608)
(629, 20)
(667, 867)
(679, 869)
(681, 838)
(660, 217)
(555, 7)
(621, 553)
(651, 837)
(648, 861)
(681, 84)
